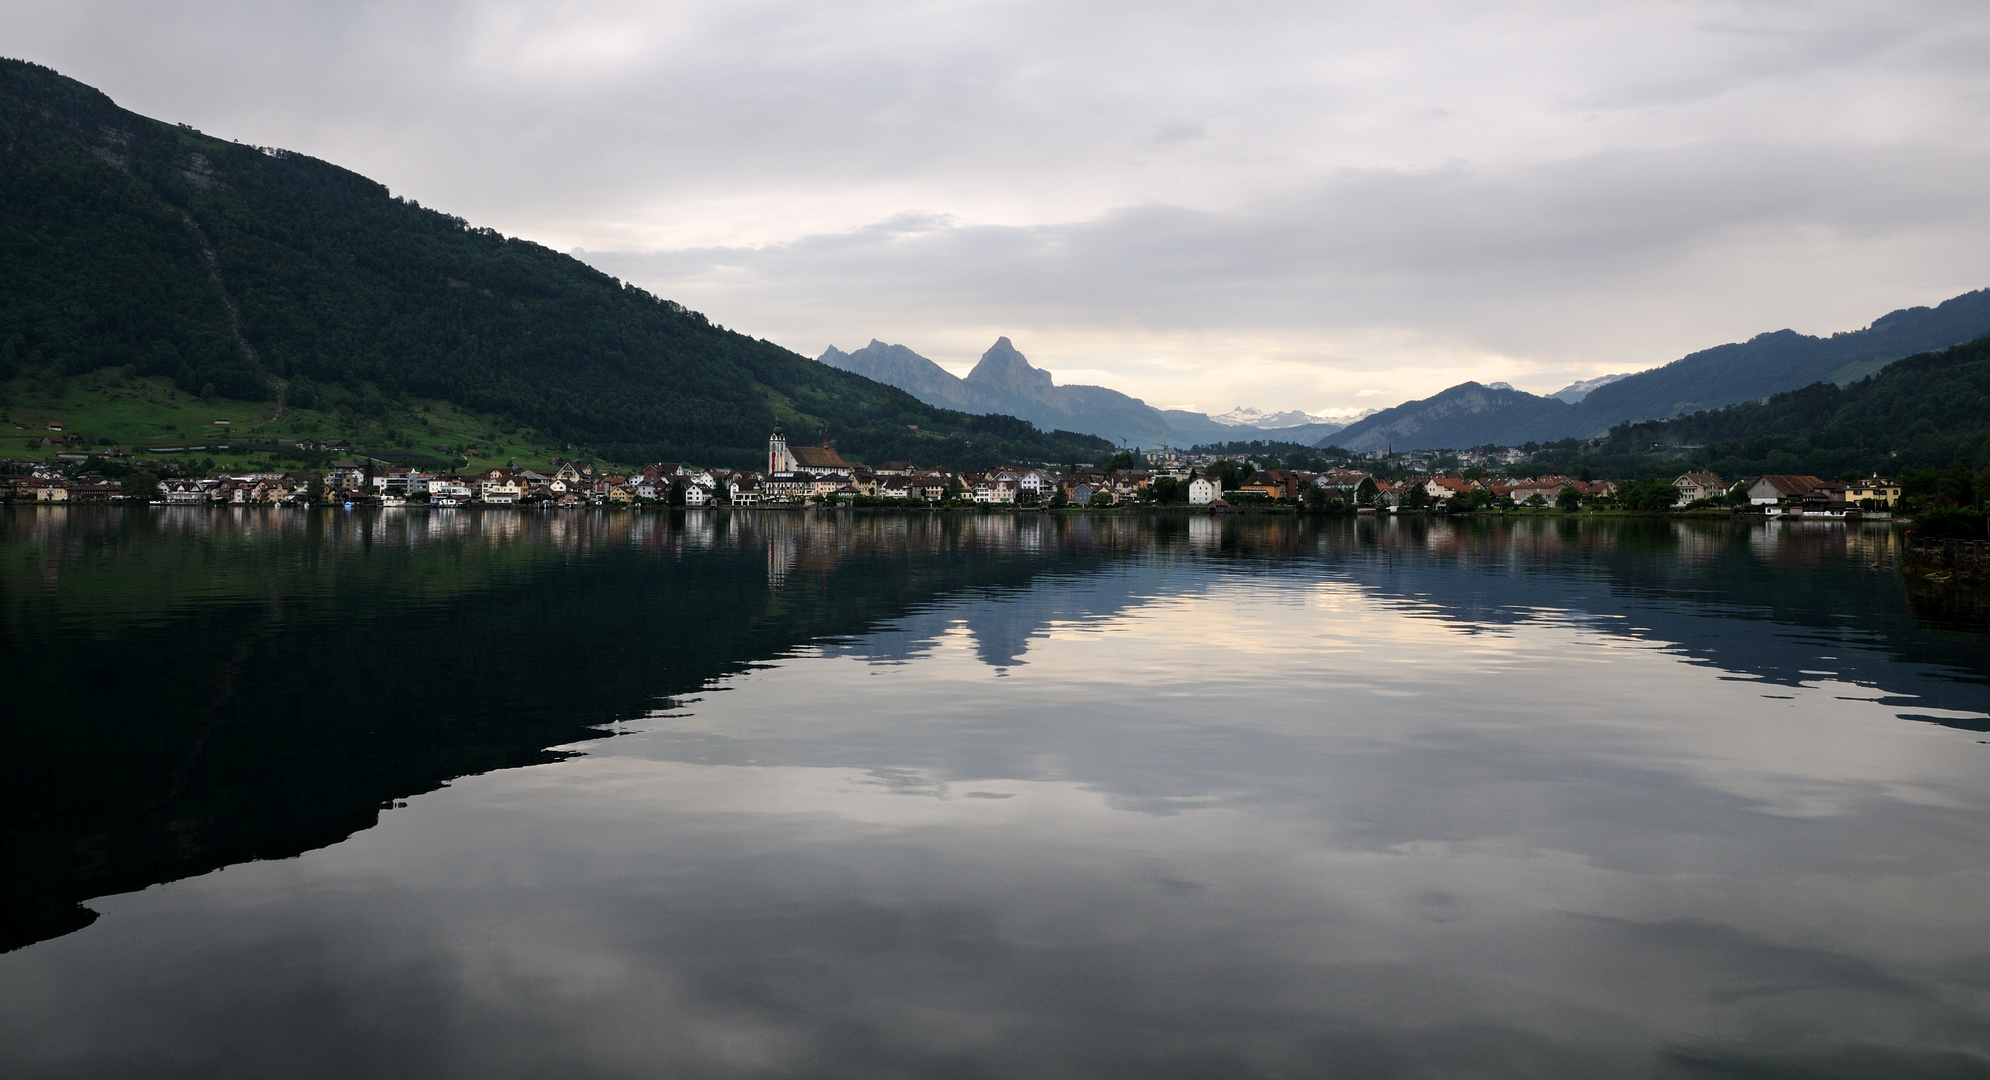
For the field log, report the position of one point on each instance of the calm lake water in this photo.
(449, 794)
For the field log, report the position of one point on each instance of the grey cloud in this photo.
(1457, 249)
(1564, 183)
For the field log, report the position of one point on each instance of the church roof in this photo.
(817, 457)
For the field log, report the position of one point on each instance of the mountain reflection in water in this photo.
(984, 794)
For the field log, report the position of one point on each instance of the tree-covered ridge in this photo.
(1922, 411)
(247, 273)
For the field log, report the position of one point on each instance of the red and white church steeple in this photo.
(779, 460)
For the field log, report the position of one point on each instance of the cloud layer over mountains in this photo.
(1286, 205)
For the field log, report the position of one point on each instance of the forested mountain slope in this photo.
(1472, 415)
(1923, 411)
(245, 273)
(1783, 360)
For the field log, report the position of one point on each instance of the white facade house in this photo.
(1204, 490)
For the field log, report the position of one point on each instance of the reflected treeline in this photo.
(1761, 600)
(201, 687)
(193, 690)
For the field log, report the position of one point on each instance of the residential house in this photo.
(396, 481)
(184, 491)
(1272, 484)
(932, 484)
(1445, 488)
(1548, 488)
(449, 489)
(1127, 483)
(1205, 491)
(1775, 489)
(783, 486)
(1873, 490)
(100, 491)
(1034, 484)
(1343, 482)
(1694, 486)
(345, 475)
(501, 487)
(830, 483)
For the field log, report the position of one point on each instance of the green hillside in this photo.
(254, 275)
(1921, 412)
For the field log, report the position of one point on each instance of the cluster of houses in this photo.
(1810, 495)
(799, 475)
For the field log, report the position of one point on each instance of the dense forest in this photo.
(1920, 412)
(249, 273)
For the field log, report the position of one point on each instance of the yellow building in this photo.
(1873, 488)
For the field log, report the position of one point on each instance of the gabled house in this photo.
(1775, 489)
(830, 483)
(1694, 486)
(931, 484)
(1205, 491)
(181, 491)
(501, 487)
(1446, 488)
(1874, 491)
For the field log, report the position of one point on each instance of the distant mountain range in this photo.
(1473, 414)
(1004, 381)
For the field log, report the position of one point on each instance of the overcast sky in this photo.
(1315, 205)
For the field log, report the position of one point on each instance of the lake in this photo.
(766, 794)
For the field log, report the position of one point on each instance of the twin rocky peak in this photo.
(1004, 381)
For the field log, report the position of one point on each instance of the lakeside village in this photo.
(799, 476)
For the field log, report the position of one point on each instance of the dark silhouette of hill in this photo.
(248, 273)
(1921, 411)
(1469, 414)
(1473, 415)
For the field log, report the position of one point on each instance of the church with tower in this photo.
(809, 460)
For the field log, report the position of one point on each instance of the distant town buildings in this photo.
(808, 475)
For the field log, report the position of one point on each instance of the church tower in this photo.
(778, 458)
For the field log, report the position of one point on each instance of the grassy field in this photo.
(111, 408)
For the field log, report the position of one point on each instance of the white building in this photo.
(1204, 490)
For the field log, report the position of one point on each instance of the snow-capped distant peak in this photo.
(1246, 416)
(1576, 391)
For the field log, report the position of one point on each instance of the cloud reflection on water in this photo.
(1390, 815)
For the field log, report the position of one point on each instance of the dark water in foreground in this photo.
(764, 795)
